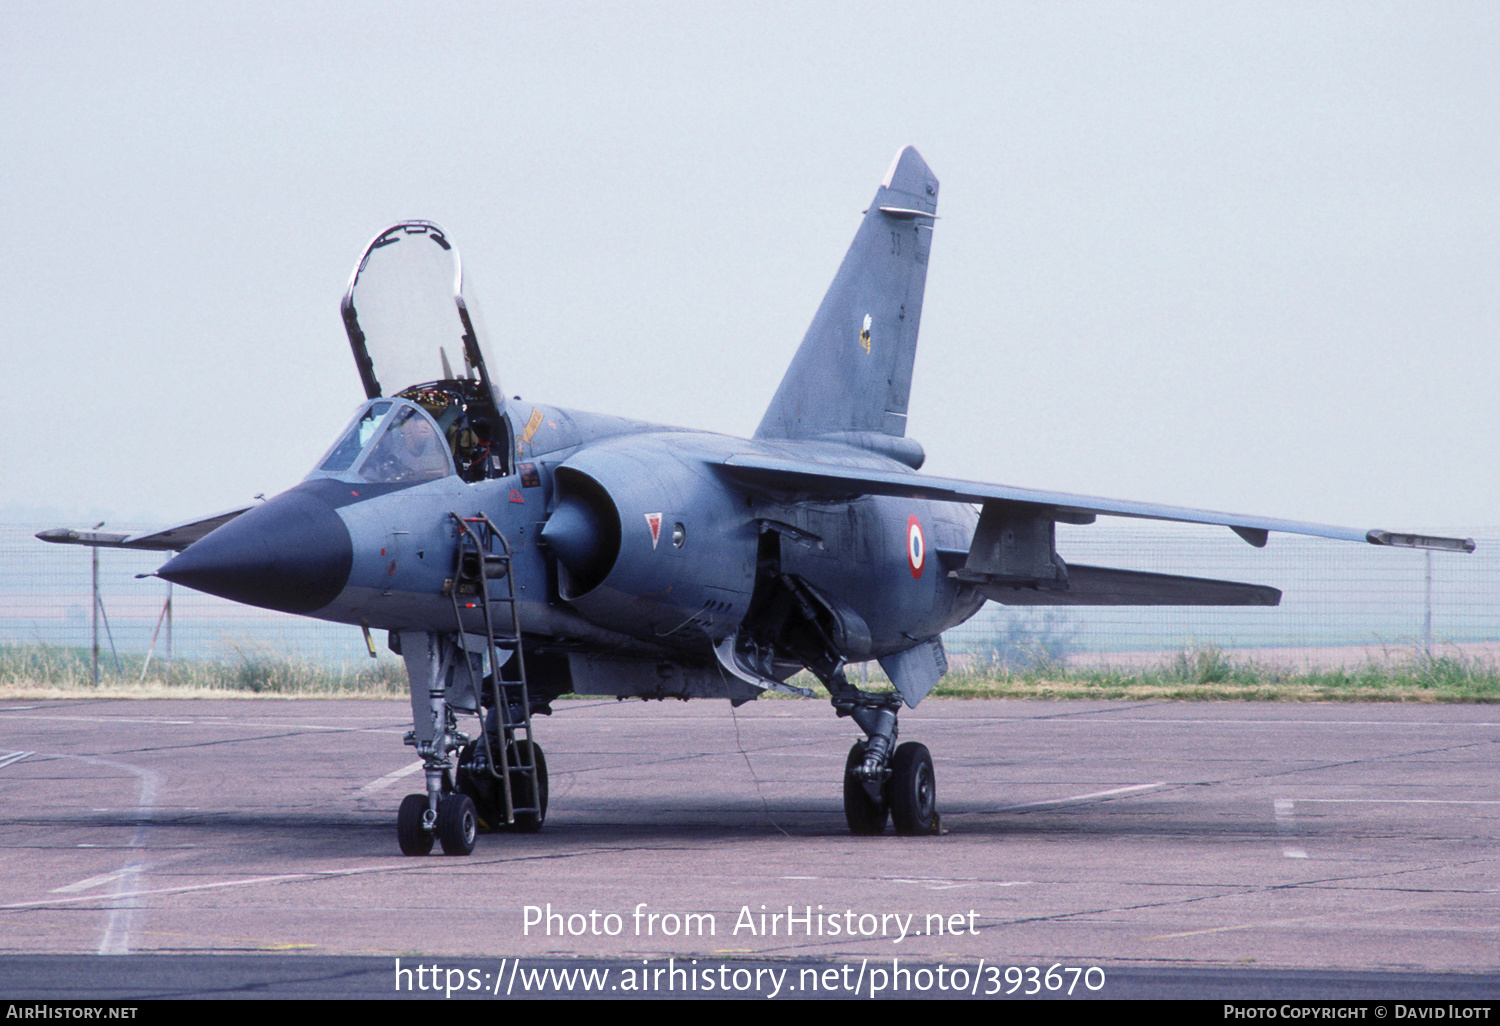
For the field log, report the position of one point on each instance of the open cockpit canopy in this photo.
(416, 336)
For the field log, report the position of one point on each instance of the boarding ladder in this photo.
(485, 556)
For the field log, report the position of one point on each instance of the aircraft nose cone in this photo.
(292, 553)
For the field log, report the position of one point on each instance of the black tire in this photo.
(865, 816)
(520, 787)
(483, 789)
(457, 824)
(912, 791)
(409, 833)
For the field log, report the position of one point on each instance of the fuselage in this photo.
(626, 539)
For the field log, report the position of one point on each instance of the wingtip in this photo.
(1419, 541)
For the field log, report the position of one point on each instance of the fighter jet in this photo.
(514, 553)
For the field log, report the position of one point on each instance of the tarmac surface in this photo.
(1185, 835)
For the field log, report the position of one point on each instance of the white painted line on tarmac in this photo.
(95, 881)
(13, 757)
(187, 888)
(1079, 799)
(390, 778)
(1406, 801)
(123, 902)
(934, 884)
(1286, 823)
(209, 721)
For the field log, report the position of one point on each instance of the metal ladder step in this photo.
(477, 538)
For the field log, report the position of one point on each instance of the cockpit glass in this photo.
(409, 451)
(349, 447)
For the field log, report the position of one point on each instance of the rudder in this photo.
(852, 373)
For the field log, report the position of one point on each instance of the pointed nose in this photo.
(292, 553)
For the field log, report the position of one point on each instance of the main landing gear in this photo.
(880, 783)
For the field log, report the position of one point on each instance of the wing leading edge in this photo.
(827, 480)
(1013, 558)
(169, 539)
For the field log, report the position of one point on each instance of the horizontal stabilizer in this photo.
(170, 539)
(1104, 586)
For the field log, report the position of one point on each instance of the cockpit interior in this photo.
(424, 433)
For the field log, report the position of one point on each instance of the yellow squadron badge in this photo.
(864, 335)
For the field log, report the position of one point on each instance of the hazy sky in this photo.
(1241, 256)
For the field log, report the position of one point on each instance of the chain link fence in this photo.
(46, 599)
(1342, 603)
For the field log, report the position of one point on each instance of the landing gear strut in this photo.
(865, 813)
(881, 779)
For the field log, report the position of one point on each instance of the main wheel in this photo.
(521, 754)
(489, 801)
(457, 824)
(865, 816)
(912, 791)
(409, 833)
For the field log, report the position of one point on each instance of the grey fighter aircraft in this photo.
(515, 552)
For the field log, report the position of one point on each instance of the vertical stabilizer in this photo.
(852, 372)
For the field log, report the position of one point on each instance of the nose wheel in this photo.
(457, 824)
(411, 831)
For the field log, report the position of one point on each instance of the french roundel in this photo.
(916, 545)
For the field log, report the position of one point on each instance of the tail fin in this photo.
(852, 374)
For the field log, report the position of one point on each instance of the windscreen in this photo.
(409, 451)
(342, 455)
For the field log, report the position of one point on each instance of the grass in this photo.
(52, 671)
(1210, 674)
(1198, 674)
